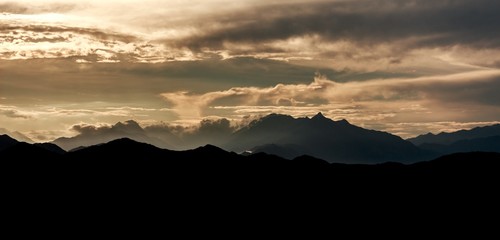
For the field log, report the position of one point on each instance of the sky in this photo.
(404, 66)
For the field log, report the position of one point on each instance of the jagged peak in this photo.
(343, 121)
(319, 115)
(129, 124)
(276, 115)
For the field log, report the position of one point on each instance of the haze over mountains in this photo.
(282, 135)
(288, 137)
(477, 139)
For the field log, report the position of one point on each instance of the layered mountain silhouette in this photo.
(449, 138)
(91, 136)
(16, 135)
(11, 149)
(334, 141)
(129, 163)
(282, 135)
(289, 138)
(477, 139)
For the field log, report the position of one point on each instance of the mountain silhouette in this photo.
(477, 139)
(288, 151)
(25, 152)
(282, 135)
(334, 141)
(50, 147)
(16, 135)
(449, 138)
(125, 164)
(486, 144)
(22, 151)
(6, 141)
(91, 136)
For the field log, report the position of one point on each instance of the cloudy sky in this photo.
(403, 66)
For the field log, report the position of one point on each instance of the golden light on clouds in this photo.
(380, 63)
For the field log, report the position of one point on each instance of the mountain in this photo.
(12, 149)
(125, 163)
(92, 136)
(485, 144)
(282, 135)
(27, 153)
(449, 138)
(6, 142)
(50, 147)
(477, 139)
(16, 135)
(287, 151)
(334, 141)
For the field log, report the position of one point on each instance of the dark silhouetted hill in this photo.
(287, 151)
(50, 147)
(125, 157)
(6, 142)
(127, 166)
(26, 153)
(486, 144)
(11, 149)
(334, 141)
(15, 135)
(282, 135)
(91, 136)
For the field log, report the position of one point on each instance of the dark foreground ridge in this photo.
(125, 178)
(127, 159)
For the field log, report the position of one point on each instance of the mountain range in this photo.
(485, 138)
(334, 141)
(130, 163)
(289, 138)
(282, 135)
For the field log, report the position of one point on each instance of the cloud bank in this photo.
(424, 64)
(357, 34)
(436, 98)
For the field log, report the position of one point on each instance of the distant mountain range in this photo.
(288, 137)
(129, 129)
(16, 135)
(477, 139)
(334, 141)
(282, 135)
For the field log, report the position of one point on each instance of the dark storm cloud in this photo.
(425, 22)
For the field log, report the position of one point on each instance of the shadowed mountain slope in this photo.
(6, 142)
(91, 136)
(485, 139)
(334, 141)
(449, 138)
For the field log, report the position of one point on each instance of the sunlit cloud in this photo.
(366, 102)
(422, 65)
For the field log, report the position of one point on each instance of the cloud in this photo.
(428, 22)
(35, 8)
(22, 41)
(356, 35)
(435, 98)
(90, 129)
(13, 112)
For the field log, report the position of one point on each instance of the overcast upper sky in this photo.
(403, 66)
